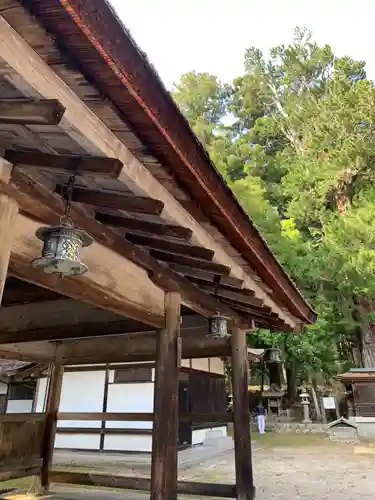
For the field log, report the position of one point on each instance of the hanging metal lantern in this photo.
(61, 252)
(273, 355)
(218, 324)
(218, 327)
(62, 245)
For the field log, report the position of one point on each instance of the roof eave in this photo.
(107, 35)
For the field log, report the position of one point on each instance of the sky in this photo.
(212, 35)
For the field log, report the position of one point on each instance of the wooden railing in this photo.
(223, 417)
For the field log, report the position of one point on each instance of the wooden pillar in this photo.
(241, 416)
(8, 214)
(52, 407)
(165, 428)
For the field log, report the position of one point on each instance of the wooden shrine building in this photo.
(90, 137)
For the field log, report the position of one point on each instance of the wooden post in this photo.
(8, 214)
(165, 428)
(241, 416)
(52, 407)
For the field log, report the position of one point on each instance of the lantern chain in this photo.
(217, 279)
(69, 190)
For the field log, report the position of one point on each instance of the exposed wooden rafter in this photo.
(212, 267)
(199, 276)
(109, 199)
(170, 246)
(153, 228)
(81, 164)
(236, 296)
(31, 112)
(96, 136)
(36, 199)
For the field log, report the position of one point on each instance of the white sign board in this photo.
(329, 403)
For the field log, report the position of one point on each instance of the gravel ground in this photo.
(317, 470)
(323, 473)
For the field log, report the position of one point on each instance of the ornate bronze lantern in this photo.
(62, 244)
(218, 327)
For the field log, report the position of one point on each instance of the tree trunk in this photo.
(367, 334)
(314, 391)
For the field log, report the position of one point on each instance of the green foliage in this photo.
(300, 156)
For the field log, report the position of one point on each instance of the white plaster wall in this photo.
(3, 388)
(131, 442)
(217, 366)
(130, 398)
(200, 364)
(81, 392)
(213, 365)
(19, 406)
(40, 394)
(77, 441)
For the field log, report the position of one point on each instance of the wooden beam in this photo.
(111, 283)
(31, 112)
(84, 330)
(212, 267)
(142, 417)
(29, 351)
(17, 292)
(165, 425)
(66, 313)
(104, 328)
(110, 167)
(80, 121)
(241, 416)
(53, 402)
(198, 277)
(19, 473)
(226, 283)
(35, 198)
(120, 201)
(259, 317)
(239, 296)
(153, 228)
(8, 216)
(135, 348)
(170, 246)
(142, 484)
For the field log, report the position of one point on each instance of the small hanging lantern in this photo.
(273, 355)
(62, 244)
(218, 327)
(218, 324)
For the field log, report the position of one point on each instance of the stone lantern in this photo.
(305, 401)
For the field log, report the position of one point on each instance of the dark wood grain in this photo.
(109, 199)
(31, 112)
(170, 246)
(110, 167)
(165, 428)
(142, 484)
(53, 401)
(241, 416)
(152, 228)
(191, 262)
